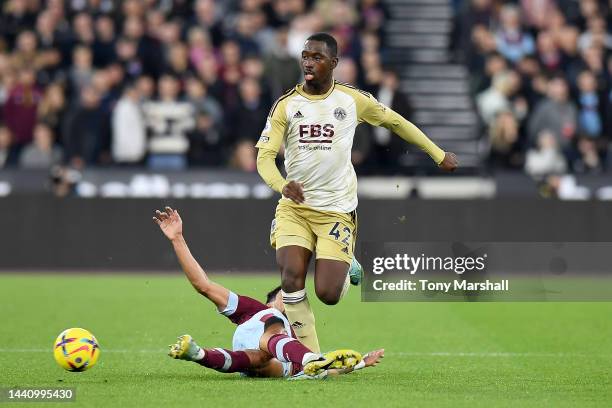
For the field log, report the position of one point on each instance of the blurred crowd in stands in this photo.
(541, 76)
(167, 84)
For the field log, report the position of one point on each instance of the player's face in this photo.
(317, 64)
(278, 302)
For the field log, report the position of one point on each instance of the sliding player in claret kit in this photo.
(316, 121)
(263, 344)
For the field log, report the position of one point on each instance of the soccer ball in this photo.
(76, 349)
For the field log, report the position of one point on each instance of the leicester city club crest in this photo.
(339, 113)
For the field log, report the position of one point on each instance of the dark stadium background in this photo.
(110, 109)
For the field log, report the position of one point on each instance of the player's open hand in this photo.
(450, 162)
(373, 357)
(294, 191)
(169, 222)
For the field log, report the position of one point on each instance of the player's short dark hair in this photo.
(330, 42)
(272, 294)
(272, 321)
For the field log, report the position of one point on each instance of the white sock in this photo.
(345, 286)
(201, 354)
(308, 357)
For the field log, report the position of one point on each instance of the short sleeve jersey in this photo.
(317, 132)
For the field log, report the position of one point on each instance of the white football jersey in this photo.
(318, 131)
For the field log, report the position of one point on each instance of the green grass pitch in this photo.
(437, 354)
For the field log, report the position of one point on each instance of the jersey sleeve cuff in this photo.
(232, 305)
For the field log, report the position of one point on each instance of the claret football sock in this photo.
(287, 349)
(225, 361)
(302, 319)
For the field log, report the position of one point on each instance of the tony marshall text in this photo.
(426, 285)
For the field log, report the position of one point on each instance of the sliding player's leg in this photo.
(219, 359)
(289, 350)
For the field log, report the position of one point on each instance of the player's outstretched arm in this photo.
(377, 114)
(170, 223)
(447, 161)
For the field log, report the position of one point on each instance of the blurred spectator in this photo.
(42, 153)
(83, 30)
(244, 32)
(207, 15)
(513, 42)
(200, 47)
(503, 136)
(588, 160)
(82, 70)
(8, 154)
(386, 147)
(595, 35)
(85, 130)
(127, 55)
(177, 63)
(21, 106)
(206, 142)
(168, 120)
(252, 67)
(128, 128)
(555, 113)
(230, 75)
(247, 121)
(548, 52)
(300, 28)
(483, 59)
(104, 44)
(589, 106)
(537, 12)
(146, 88)
(281, 69)
(346, 71)
(475, 13)
(244, 157)
(26, 51)
(497, 97)
(52, 107)
(373, 14)
(15, 18)
(197, 95)
(546, 159)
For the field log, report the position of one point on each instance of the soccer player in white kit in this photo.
(263, 343)
(316, 121)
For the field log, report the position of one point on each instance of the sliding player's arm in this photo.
(170, 223)
(377, 114)
(269, 144)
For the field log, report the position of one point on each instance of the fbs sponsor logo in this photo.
(298, 325)
(316, 133)
(264, 139)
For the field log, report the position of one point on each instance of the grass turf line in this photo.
(439, 354)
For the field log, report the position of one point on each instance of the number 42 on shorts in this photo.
(335, 232)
